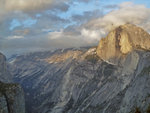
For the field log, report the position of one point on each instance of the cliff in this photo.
(122, 41)
(11, 95)
(4, 73)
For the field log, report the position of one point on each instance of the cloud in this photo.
(22, 32)
(33, 5)
(10, 9)
(90, 36)
(86, 16)
(44, 24)
(63, 39)
(52, 40)
(85, 1)
(50, 21)
(127, 13)
(90, 27)
(15, 37)
(41, 42)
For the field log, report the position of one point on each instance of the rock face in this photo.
(4, 74)
(11, 95)
(119, 82)
(11, 98)
(121, 41)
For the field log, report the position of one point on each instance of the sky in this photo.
(36, 25)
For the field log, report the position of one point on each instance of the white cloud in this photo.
(127, 13)
(90, 36)
(14, 37)
(55, 35)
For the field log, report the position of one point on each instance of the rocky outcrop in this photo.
(122, 41)
(11, 95)
(64, 56)
(4, 73)
(11, 98)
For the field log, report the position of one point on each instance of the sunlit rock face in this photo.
(64, 56)
(121, 41)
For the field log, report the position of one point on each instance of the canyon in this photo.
(113, 77)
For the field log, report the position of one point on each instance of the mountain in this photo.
(121, 41)
(113, 77)
(11, 95)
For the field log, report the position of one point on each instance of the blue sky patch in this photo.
(29, 22)
(14, 23)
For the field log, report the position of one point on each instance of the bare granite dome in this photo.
(121, 41)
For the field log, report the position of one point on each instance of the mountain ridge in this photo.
(93, 84)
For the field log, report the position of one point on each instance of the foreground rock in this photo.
(11, 98)
(117, 82)
(11, 95)
(4, 73)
